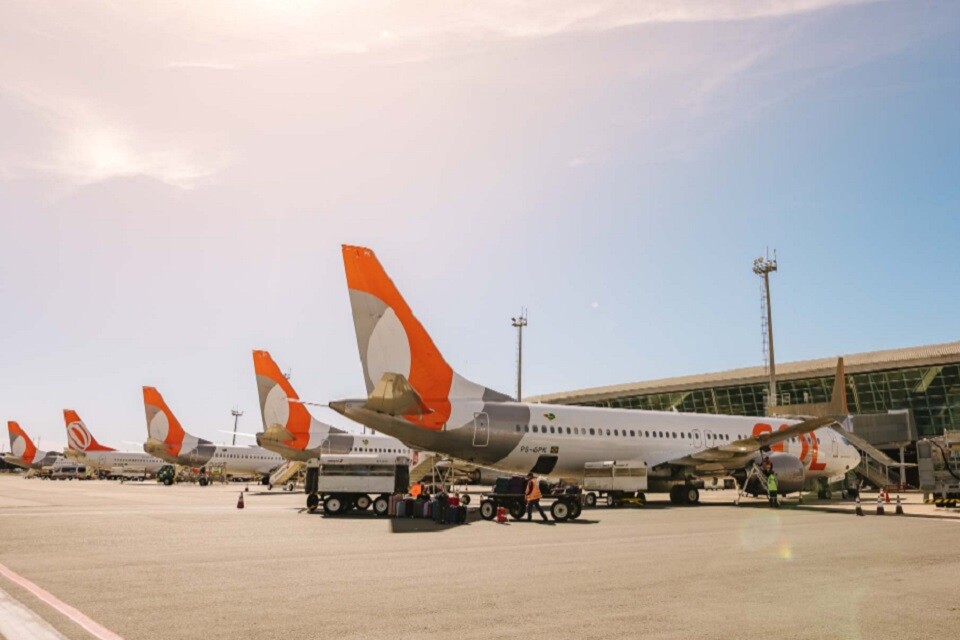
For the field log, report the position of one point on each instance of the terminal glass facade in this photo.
(932, 393)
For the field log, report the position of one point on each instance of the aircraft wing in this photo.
(735, 455)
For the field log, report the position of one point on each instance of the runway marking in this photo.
(17, 622)
(94, 628)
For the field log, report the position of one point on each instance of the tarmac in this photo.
(147, 561)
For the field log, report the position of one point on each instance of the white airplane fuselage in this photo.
(516, 435)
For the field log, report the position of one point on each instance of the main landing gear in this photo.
(684, 494)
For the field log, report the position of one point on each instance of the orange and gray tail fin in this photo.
(20, 443)
(162, 425)
(392, 341)
(79, 437)
(277, 410)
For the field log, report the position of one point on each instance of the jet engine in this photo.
(790, 474)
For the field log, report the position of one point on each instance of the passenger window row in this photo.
(632, 433)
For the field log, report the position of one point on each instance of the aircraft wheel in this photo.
(560, 510)
(590, 500)
(691, 495)
(313, 501)
(676, 494)
(381, 506)
(363, 503)
(488, 509)
(332, 505)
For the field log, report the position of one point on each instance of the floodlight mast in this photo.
(519, 323)
(236, 413)
(763, 267)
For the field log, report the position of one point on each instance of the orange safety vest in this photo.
(533, 490)
(416, 490)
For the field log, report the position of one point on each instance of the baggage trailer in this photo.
(509, 493)
(619, 482)
(343, 483)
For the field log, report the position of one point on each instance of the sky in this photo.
(176, 180)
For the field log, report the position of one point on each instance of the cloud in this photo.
(202, 64)
(86, 143)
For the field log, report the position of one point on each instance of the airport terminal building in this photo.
(922, 383)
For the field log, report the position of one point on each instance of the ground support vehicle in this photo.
(124, 473)
(68, 472)
(938, 465)
(619, 482)
(562, 506)
(343, 483)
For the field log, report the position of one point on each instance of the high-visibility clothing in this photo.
(533, 490)
(771, 482)
(416, 489)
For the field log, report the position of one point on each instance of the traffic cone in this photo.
(859, 506)
(240, 501)
(886, 496)
(879, 505)
(899, 511)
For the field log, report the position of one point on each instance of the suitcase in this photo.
(501, 485)
(410, 505)
(440, 512)
(461, 514)
(427, 510)
(516, 485)
(392, 505)
(401, 509)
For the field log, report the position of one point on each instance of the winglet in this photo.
(836, 406)
(79, 437)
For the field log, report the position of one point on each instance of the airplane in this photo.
(167, 440)
(290, 430)
(24, 453)
(415, 395)
(82, 446)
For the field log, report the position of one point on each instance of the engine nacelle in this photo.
(790, 474)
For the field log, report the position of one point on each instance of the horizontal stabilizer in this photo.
(395, 396)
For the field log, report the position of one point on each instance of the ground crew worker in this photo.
(772, 489)
(416, 489)
(533, 496)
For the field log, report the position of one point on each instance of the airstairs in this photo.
(285, 472)
(874, 465)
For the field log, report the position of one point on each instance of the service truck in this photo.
(342, 483)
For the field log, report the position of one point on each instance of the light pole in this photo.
(764, 267)
(519, 323)
(236, 413)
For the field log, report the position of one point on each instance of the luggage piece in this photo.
(501, 485)
(516, 485)
(392, 505)
(427, 510)
(410, 505)
(461, 514)
(401, 509)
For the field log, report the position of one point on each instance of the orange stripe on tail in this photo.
(429, 373)
(161, 423)
(79, 437)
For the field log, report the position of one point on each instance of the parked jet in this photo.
(290, 430)
(167, 440)
(24, 453)
(414, 395)
(84, 447)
